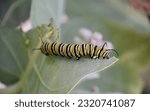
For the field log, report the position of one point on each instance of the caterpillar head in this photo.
(43, 48)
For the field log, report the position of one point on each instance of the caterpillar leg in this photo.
(94, 57)
(78, 58)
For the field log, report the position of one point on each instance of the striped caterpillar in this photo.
(75, 50)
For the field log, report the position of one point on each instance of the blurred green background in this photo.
(125, 27)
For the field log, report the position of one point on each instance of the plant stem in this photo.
(30, 65)
(17, 88)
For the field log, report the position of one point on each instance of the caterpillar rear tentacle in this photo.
(113, 50)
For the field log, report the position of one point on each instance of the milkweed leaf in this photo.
(53, 74)
(13, 55)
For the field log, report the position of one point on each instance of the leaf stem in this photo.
(30, 65)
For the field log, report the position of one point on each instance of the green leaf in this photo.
(60, 75)
(43, 10)
(116, 79)
(133, 48)
(13, 55)
(129, 35)
(50, 74)
(53, 74)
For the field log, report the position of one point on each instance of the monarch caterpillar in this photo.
(75, 50)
